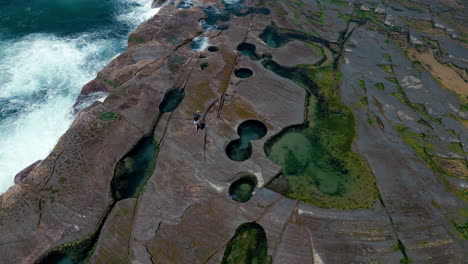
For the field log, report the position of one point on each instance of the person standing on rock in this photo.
(196, 120)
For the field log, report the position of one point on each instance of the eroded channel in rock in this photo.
(249, 245)
(242, 189)
(241, 149)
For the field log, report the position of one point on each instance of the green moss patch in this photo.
(387, 68)
(319, 166)
(362, 83)
(443, 167)
(380, 86)
(249, 245)
(108, 116)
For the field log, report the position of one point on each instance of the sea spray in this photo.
(44, 65)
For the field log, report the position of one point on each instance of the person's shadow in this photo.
(202, 125)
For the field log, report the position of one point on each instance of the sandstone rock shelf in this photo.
(376, 140)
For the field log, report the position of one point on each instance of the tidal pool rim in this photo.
(244, 73)
(245, 123)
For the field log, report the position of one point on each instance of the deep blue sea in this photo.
(48, 50)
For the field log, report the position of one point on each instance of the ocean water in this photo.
(48, 50)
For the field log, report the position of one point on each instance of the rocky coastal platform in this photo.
(336, 132)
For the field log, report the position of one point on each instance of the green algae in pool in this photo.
(241, 190)
(241, 149)
(171, 100)
(308, 162)
(248, 246)
(243, 73)
(133, 171)
(317, 160)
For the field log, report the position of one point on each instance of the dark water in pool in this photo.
(241, 149)
(241, 190)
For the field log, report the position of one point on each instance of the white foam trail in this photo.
(54, 69)
(140, 13)
(202, 43)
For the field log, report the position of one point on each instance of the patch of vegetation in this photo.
(175, 62)
(387, 56)
(108, 116)
(464, 107)
(204, 65)
(319, 166)
(440, 166)
(111, 83)
(462, 229)
(136, 39)
(405, 259)
(380, 86)
(366, 16)
(249, 245)
(387, 68)
(425, 123)
(456, 147)
(391, 79)
(363, 101)
(363, 85)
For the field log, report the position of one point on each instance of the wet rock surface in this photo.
(313, 64)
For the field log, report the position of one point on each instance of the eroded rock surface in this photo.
(411, 134)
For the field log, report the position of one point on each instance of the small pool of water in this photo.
(242, 189)
(248, 49)
(241, 149)
(213, 49)
(243, 73)
(134, 170)
(249, 245)
(171, 100)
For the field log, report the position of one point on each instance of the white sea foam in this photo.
(231, 1)
(140, 13)
(200, 44)
(44, 74)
